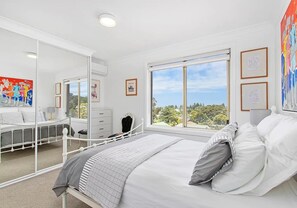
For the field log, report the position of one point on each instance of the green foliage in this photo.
(73, 106)
(220, 119)
(213, 116)
(170, 115)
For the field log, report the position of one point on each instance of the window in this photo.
(191, 92)
(77, 99)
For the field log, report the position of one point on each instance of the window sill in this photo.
(185, 131)
(79, 120)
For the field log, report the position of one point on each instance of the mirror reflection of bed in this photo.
(56, 67)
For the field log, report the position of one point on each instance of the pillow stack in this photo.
(258, 165)
(12, 118)
(217, 156)
(248, 162)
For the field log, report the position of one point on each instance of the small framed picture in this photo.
(254, 96)
(58, 102)
(254, 63)
(95, 91)
(58, 88)
(131, 87)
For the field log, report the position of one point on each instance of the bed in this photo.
(160, 180)
(18, 135)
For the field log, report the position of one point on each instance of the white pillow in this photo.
(268, 123)
(248, 162)
(281, 162)
(30, 116)
(242, 128)
(12, 118)
(283, 138)
(1, 120)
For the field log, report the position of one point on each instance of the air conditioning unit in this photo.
(99, 67)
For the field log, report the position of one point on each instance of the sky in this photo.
(83, 89)
(207, 84)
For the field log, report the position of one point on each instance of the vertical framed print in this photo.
(58, 88)
(254, 63)
(131, 87)
(289, 58)
(95, 93)
(58, 102)
(254, 96)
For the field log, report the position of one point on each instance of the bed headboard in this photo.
(257, 115)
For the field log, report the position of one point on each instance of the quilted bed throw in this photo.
(104, 175)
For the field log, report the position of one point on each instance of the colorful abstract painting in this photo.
(288, 58)
(16, 92)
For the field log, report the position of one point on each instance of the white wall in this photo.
(134, 66)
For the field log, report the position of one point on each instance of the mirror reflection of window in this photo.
(77, 99)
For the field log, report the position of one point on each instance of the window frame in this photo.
(67, 87)
(184, 129)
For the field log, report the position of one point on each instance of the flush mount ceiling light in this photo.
(107, 20)
(31, 55)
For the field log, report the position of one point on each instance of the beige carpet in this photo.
(22, 162)
(35, 193)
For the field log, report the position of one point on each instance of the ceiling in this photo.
(141, 24)
(14, 49)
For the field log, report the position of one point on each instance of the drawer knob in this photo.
(101, 121)
(101, 128)
(101, 113)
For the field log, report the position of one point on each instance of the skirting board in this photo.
(87, 200)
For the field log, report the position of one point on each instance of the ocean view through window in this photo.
(193, 96)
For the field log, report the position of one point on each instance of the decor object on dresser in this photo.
(288, 58)
(254, 96)
(95, 93)
(58, 102)
(254, 63)
(131, 87)
(58, 88)
(51, 110)
(16, 92)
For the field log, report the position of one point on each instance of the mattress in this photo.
(162, 182)
(24, 134)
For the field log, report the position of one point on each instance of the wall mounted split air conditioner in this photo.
(98, 67)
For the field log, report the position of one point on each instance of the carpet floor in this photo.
(22, 162)
(35, 193)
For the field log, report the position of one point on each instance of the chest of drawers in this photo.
(101, 121)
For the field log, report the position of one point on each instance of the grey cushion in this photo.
(216, 156)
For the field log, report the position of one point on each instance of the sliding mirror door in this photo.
(17, 105)
(62, 101)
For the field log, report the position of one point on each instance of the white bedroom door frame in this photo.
(43, 37)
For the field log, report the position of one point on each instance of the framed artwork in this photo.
(58, 102)
(95, 93)
(58, 88)
(289, 59)
(15, 92)
(254, 63)
(131, 87)
(254, 96)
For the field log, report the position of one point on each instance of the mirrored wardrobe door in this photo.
(62, 100)
(17, 105)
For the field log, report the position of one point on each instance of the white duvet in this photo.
(162, 182)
